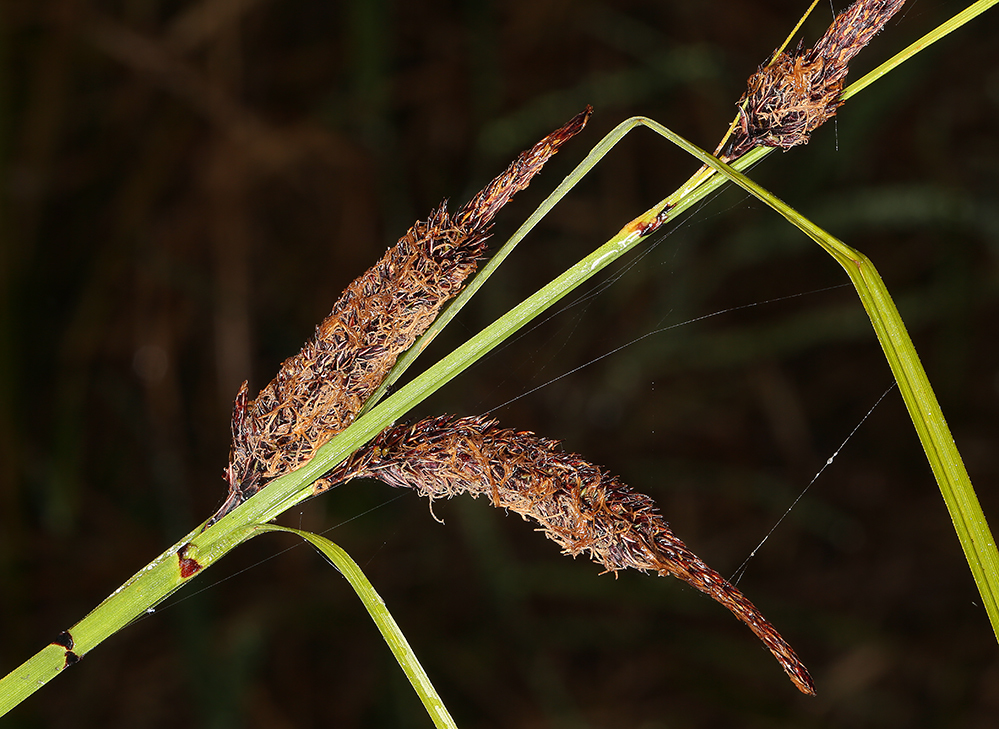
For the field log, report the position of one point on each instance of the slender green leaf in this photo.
(390, 630)
(945, 461)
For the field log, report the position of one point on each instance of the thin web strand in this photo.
(738, 574)
(660, 330)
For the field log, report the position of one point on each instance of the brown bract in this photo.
(796, 93)
(578, 505)
(318, 392)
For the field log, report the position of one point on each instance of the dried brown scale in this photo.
(577, 505)
(318, 392)
(796, 93)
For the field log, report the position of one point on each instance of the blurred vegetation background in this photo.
(187, 186)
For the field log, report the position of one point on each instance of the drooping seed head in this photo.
(579, 506)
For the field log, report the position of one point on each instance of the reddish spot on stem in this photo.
(188, 566)
(64, 640)
(643, 226)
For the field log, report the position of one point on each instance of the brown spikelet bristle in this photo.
(579, 506)
(798, 92)
(318, 392)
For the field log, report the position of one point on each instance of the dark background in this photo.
(188, 186)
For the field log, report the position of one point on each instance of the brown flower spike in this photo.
(796, 93)
(579, 506)
(318, 392)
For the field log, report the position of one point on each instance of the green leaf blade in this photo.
(390, 630)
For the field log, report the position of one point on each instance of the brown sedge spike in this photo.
(579, 506)
(797, 92)
(318, 392)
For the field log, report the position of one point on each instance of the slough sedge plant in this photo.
(326, 417)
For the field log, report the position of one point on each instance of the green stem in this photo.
(949, 26)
